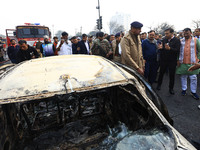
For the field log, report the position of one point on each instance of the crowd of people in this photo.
(146, 53)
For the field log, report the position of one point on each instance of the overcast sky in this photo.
(70, 15)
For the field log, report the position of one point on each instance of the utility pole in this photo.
(81, 29)
(53, 30)
(99, 21)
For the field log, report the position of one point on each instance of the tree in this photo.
(161, 28)
(196, 23)
(114, 27)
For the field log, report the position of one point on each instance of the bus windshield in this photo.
(32, 32)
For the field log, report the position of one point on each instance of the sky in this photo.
(72, 15)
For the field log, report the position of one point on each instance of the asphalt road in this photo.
(182, 109)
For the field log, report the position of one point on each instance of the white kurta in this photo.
(65, 49)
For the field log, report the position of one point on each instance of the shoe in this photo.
(158, 87)
(183, 93)
(195, 96)
(171, 91)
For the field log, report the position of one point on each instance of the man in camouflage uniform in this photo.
(1, 50)
(101, 46)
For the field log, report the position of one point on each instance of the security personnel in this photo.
(101, 46)
(132, 48)
(116, 48)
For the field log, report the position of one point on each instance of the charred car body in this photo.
(82, 102)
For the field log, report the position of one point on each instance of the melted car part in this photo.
(123, 139)
(79, 120)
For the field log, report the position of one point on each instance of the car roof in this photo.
(46, 77)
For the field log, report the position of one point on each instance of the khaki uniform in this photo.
(116, 57)
(132, 51)
(90, 44)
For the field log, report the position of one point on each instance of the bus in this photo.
(29, 32)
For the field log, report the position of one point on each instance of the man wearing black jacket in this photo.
(83, 46)
(169, 50)
(26, 52)
(12, 51)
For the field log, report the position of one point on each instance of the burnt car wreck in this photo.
(107, 106)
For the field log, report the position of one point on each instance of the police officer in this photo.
(132, 48)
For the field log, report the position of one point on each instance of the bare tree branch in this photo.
(115, 27)
(196, 23)
(160, 28)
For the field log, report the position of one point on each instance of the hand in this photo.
(167, 46)
(62, 41)
(160, 46)
(109, 53)
(194, 67)
(178, 63)
(140, 71)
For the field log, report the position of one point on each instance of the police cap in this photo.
(117, 35)
(136, 24)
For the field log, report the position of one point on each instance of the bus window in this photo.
(26, 31)
(32, 32)
(41, 31)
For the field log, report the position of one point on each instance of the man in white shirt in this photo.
(64, 47)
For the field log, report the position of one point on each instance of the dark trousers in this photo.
(150, 72)
(172, 68)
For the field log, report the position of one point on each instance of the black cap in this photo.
(101, 34)
(136, 24)
(117, 35)
(97, 34)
